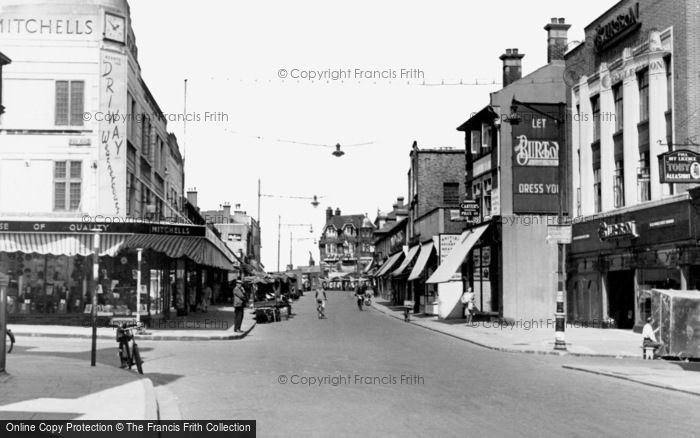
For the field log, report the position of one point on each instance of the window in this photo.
(619, 184)
(643, 83)
(475, 142)
(486, 137)
(70, 97)
(595, 109)
(450, 193)
(598, 205)
(487, 197)
(146, 137)
(617, 96)
(669, 83)
(643, 180)
(67, 176)
(130, 193)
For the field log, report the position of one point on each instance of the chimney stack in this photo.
(512, 66)
(557, 39)
(227, 211)
(192, 196)
(399, 201)
(337, 212)
(329, 214)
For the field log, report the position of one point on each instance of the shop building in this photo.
(515, 167)
(87, 136)
(435, 191)
(634, 90)
(346, 242)
(390, 243)
(239, 231)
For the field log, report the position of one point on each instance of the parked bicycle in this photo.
(10, 335)
(129, 355)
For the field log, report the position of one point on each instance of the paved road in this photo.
(449, 388)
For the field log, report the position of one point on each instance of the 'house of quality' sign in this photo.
(681, 166)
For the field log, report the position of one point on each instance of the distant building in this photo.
(239, 230)
(346, 242)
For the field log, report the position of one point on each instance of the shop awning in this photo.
(389, 264)
(453, 261)
(425, 250)
(407, 261)
(67, 244)
(198, 249)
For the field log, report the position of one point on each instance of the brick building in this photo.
(633, 101)
(239, 231)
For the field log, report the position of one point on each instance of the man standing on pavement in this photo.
(239, 300)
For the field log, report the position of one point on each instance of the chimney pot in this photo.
(329, 213)
(554, 20)
(337, 212)
(562, 21)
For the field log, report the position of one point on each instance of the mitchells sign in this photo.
(681, 166)
(621, 25)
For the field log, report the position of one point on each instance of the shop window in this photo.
(67, 179)
(619, 184)
(643, 178)
(450, 193)
(70, 103)
(643, 84)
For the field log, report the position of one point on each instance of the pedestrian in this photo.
(469, 307)
(206, 298)
(239, 300)
(649, 337)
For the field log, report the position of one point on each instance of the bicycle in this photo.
(10, 335)
(129, 356)
(321, 309)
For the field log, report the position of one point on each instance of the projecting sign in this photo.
(681, 166)
(559, 234)
(469, 209)
(536, 150)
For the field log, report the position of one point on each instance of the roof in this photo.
(339, 221)
(487, 113)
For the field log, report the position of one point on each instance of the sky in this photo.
(379, 70)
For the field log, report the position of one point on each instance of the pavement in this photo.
(580, 342)
(216, 324)
(38, 388)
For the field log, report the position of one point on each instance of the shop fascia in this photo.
(104, 227)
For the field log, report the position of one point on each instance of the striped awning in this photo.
(390, 263)
(407, 261)
(425, 251)
(198, 249)
(68, 244)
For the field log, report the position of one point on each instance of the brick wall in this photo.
(434, 169)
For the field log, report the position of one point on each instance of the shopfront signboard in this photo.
(681, 166)
(120, 226)
(620, 230)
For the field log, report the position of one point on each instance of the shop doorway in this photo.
(621, 298)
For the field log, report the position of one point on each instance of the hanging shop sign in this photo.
(469, 210)
(619, 26)
(621, 230)
(680, 166)
(537, 147)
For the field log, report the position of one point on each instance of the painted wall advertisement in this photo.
(536, 151)
(447, 243)
(112, 128)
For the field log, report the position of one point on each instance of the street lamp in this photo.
(560, 315)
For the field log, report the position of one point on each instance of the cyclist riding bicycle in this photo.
(321, 302)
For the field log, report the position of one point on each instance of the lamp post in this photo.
(139, 251)
(95, 285)
(559, 314)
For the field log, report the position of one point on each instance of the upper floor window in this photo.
(595, 110)
(643, 83)
(669, 83)
(619, 107)
(450, 193)
(475, 138)
(486, 137)
(67, 182)
(330, 232)
(70, 103)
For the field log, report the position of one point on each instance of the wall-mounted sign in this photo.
(621, 230)
(680, 166)
(469, 209)
(609, 32)
(59, 26)
(79, 141)
(559, 234)
(537, 147)
(105, 225)
(456, 215)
